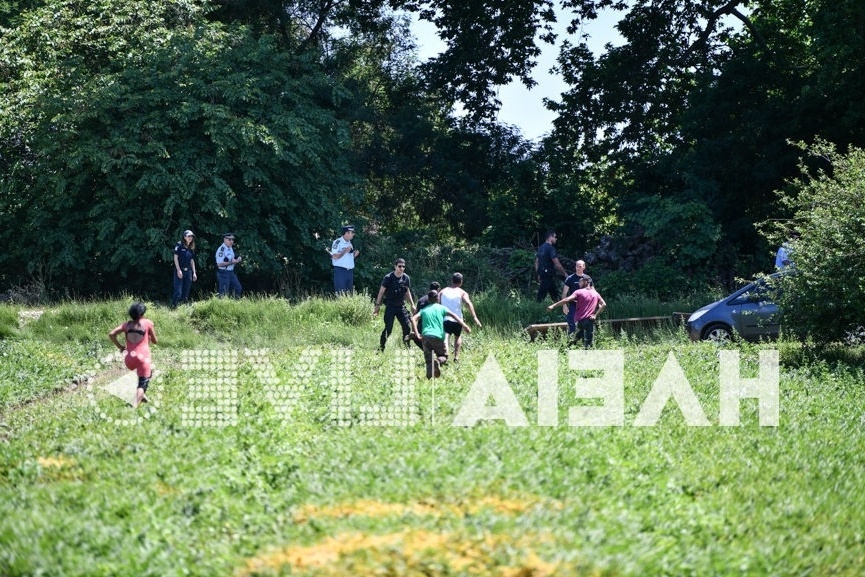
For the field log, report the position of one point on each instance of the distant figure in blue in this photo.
(184, 268)
(783, 258)
(547, 266)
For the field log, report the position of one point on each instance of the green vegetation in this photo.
(90, 487)
(125, 122)
(823, 300)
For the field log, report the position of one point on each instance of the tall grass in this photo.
(90, 487)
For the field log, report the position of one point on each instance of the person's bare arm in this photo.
(467, 299)
(602, 304)
(378, 300)
(113, 336)
(559, 267)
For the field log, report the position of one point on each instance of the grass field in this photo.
(279, 441)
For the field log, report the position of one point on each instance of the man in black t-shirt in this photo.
(572, 283)
(423, 302)
(394, 289)
(547, 265)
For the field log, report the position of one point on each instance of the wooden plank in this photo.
(677, 318)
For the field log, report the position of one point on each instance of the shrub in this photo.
(823, 300)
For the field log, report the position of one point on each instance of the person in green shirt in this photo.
(432, 319)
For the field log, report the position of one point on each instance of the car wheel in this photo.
(718, 334)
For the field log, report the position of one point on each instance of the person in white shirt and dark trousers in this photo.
(226, 279)
(342, 255)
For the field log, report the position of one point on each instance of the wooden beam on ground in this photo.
(677, 318)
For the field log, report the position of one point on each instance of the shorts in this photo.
(453, 328)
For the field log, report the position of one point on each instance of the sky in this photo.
(522, 107)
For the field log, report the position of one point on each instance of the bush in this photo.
(823, 300)
(654, 279)
(8, 321)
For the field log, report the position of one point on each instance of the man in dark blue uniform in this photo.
(547, 265)
(395, 288)
(572, 283)
(184, 268)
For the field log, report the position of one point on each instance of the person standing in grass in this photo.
(342, 255)
(394, 290)
(138, 334)
(452, 298)
(589, 304)
(432, 318)
(572, 283)
(184, 268)
(423, 301)
(547, 266)
(226, 278)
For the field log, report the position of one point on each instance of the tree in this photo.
(823, 299)
(141, 119)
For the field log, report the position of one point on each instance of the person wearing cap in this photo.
(588, 304)
(453, 298)
(226, 279)
(342, 255)
(572, 283)
(184, 268)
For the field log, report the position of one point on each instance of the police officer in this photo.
(226, 279)
(342, 255)
(184, 268)
(394, 290)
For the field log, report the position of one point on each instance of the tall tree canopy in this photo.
(697, 106)
(124, 123)
(133, 121)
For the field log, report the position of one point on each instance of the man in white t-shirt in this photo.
(452, 298)
(342, 255)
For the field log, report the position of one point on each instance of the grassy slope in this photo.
(86, 488)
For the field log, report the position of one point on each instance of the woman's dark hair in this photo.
(137, 310)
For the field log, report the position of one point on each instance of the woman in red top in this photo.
(138, 333)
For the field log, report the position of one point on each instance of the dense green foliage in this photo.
(823, 300)
(138, 121)
(123, 124)
(90, 487)
(696, 108)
